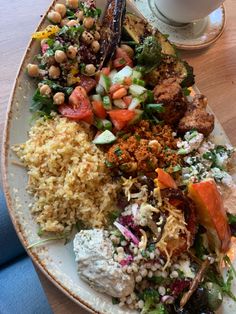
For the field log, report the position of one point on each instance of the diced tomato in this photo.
(98, 109)
(44, 48)
(127, 100)
(121, 117)
(164, 180)
(106, 71)
(87, 83)
(122, 59)
(128, 81)
(79, 107)
(119, 63)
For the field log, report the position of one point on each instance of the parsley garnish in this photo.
(118, 151)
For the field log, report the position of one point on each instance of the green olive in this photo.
(214, 295)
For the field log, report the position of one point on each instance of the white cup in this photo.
(186, 11)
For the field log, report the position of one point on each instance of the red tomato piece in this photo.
(127, 100)
(122, 58)
(98, 109)
(44, 48)
(87, 83)
(79, 107)
(121, 117)
(106, 71)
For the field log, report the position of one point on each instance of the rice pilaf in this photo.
(59, 156)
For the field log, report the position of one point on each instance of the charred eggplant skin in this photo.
(112, 22)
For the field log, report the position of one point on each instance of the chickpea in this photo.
(87, 38)
(61, 9)
(45, 90)
(72, 52)
(33, 70)
(97, 36)
(80, 15)
(60, 56)
(95, 46)
(59, 98)
(88, 22)
(54, 72)
(72, 23)
(128, 50)
(90, 69)
(64, 22)
(54, 17)
(73, 4)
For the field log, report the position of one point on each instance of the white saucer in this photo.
(196, 35)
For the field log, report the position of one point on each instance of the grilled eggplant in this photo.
(171, 66)
(111, 29)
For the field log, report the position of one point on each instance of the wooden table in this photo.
(215, 70)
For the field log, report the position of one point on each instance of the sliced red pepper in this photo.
(121, 117)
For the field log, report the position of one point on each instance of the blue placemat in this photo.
(20, 289)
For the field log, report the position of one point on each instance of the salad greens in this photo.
(148, 54)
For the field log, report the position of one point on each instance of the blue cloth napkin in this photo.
(20, 288)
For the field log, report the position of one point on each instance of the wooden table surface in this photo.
(215, 70)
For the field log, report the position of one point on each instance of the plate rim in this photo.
(6, 189)
(4, 162)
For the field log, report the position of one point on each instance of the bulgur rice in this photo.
(59, 155)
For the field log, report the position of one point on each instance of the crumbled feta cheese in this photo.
(192, 142)
(184, 266)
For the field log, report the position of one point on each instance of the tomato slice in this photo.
(106, 71)
(87, 83)
(127, 100)
(121, 117)
(122, 59)
(79, 107)
(98, 109)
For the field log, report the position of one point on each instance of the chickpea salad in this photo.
(121, 150)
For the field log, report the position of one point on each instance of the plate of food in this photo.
(119, 179)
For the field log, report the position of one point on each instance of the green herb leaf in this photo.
(186, 91)
(109, 164)
(148, 53)
(118, 151)
(231, 218)
(155, 108)
(42, 104)
(115, 300)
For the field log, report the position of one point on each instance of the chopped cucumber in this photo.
(134, 104)
(103, 124)
(136, 74)
(96, 97)
(137, 117)
(100, 89)
(138, 82)
(137, 90)
(107, 103)
(122, 74)
(120, 103)
(112, 74)
(105, 82)
(105, 138)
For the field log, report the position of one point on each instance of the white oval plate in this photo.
(55, 259)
